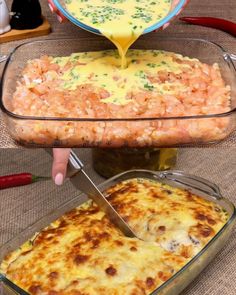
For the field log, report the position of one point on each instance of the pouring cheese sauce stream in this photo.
(122, 22)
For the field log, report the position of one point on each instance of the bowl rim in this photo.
(224, 53)
(156, 26)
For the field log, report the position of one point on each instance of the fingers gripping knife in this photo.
(82, 182)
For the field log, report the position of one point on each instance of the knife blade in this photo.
(83, 183)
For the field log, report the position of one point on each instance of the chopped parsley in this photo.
(115, 1)
(141, 74)
(148, 87)
(101, 14)
(151, 65)
(142, 14)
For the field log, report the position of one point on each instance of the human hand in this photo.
(59, 165)
(173, 5)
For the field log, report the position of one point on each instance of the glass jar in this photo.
(109, 162)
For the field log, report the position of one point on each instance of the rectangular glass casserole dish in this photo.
(117, 132)
(184, 276)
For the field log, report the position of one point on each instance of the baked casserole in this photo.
(83, 253)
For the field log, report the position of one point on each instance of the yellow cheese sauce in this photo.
(121, 21)
(101, 69)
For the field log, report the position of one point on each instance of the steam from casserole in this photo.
(83, 253)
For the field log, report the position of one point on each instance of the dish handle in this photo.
(3, 58)
(233, 56)
(11, 288)
(193, 181)
(230, 56)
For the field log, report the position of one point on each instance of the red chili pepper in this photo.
(213, 22)
(19, 179)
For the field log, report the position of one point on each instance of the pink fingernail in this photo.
(59, 178)
(59, 18)
(50, 7)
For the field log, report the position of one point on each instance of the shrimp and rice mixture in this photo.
(53, 87)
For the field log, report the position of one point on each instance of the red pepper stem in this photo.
(39, 178)
(213, 22)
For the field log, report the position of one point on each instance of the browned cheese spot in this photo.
(119, 243)
(104, 236)
(162, 228)
(200, 216)
(186, 251)
(53, 275)
(52, 292)
(75, 282)
(163, 276)
(211, 221)
(155, 194)
(63, 223)
(71, 215)
(88, 236)
(217, 209)
(95, 243)
(205, 230)
(168, 192)
(94, 210)
(150, 282)
(80, 259)
(25, 253)
(133, 249)
(119, 192)
(111, 271)
(189, 195)
(35, 289)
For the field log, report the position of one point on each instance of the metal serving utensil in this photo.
(82, 182)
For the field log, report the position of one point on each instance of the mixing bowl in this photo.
(59, 6)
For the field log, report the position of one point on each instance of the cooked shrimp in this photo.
(194, 89)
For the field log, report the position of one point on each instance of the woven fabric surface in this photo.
(216, 8)
(22, 206)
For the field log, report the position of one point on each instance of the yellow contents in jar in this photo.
(109, 162)
(121, 21)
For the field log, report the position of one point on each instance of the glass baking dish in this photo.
(117, 132)
(184, 276)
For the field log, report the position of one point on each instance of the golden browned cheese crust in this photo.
(82, 253)
(178, 220)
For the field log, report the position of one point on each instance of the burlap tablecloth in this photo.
(215, 8)
(22, 206)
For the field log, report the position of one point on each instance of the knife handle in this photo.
(74, 164)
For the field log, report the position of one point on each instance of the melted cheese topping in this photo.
(83, 253)
(177, 220)
(101, 69)
(121, 21)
